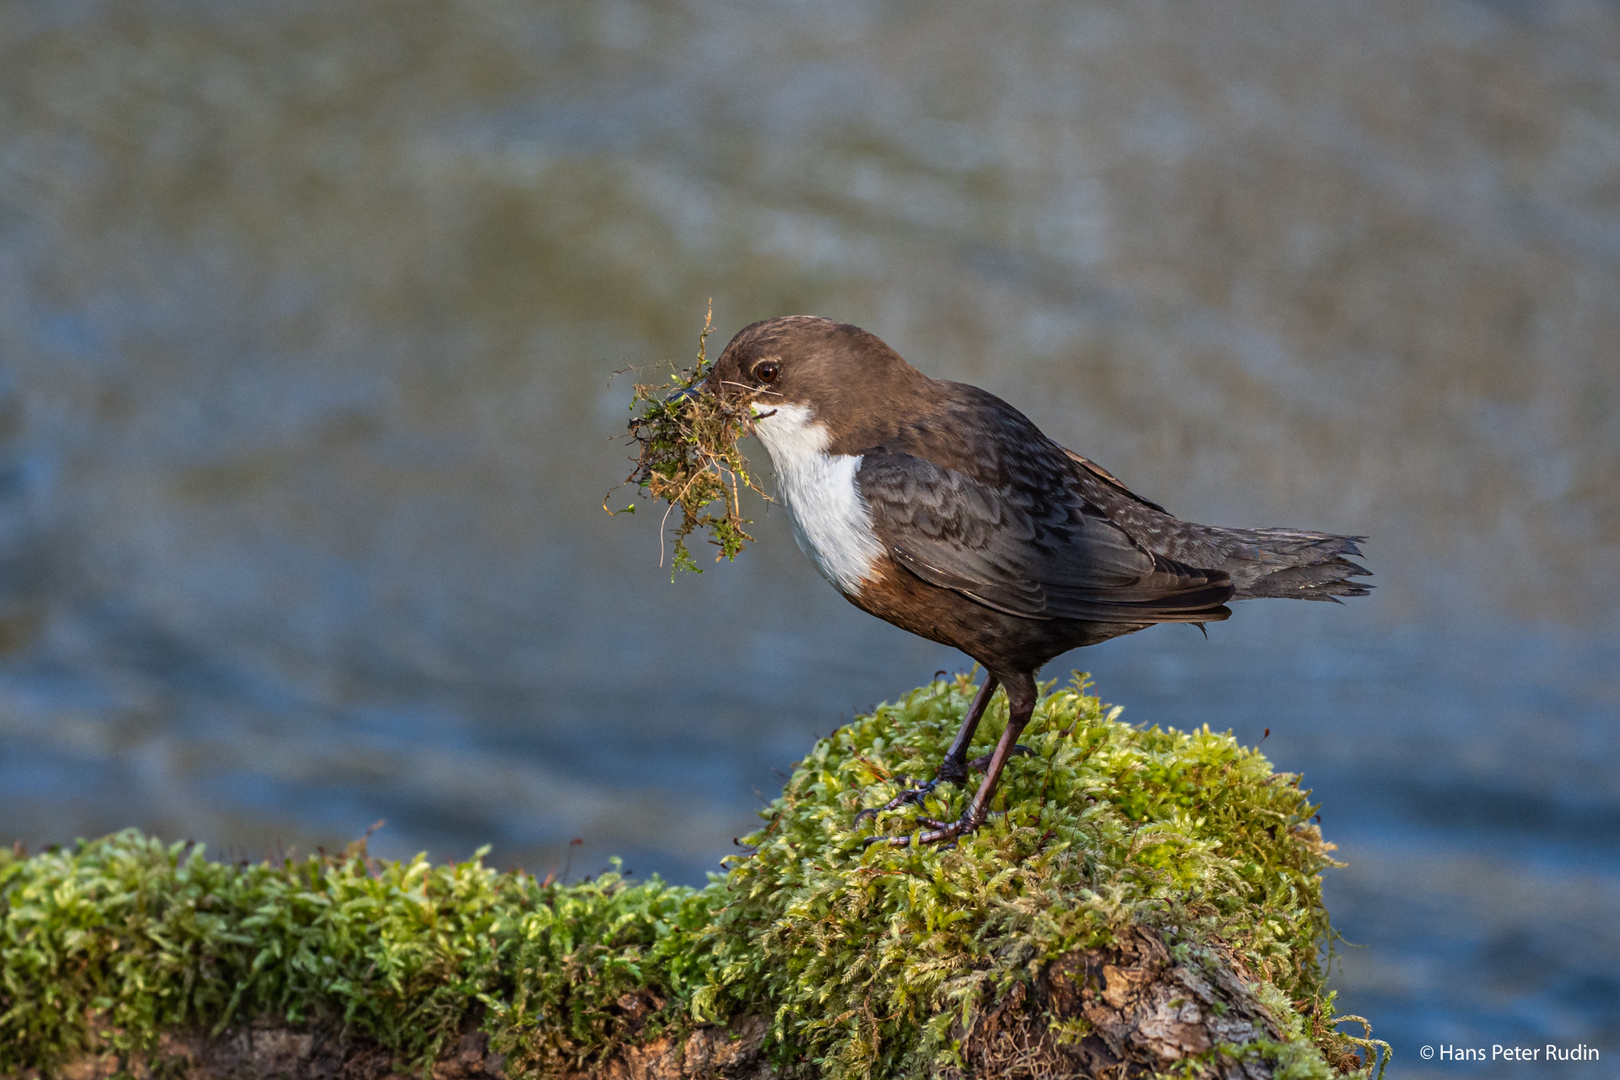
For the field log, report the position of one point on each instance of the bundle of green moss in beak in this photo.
(687, 457)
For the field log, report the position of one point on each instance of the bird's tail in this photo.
(1297, 564)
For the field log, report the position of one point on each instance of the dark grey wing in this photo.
(1040, 554)
(1111, 480)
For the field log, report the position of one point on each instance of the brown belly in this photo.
(1001, 642)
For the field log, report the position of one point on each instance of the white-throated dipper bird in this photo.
(942, 509)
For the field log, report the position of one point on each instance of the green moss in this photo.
(687, 457)
(870, 961)
(133, 937)
(872, 955)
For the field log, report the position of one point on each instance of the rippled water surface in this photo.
(307, 312)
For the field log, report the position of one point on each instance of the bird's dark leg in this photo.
(1021, 696)
(954, 767)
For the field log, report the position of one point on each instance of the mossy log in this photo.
(1146, 902)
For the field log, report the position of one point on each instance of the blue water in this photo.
(307, 313)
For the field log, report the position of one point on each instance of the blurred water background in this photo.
(307, 312)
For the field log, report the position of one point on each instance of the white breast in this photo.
(830, 521)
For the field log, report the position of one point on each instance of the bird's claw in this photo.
(917, 793)
(913, 795)
(938, 831)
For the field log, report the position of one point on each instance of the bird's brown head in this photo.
(839, 371)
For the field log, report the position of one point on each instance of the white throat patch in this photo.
(830, 522)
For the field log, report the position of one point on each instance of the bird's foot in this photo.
(939, 832)
(948, 772)
(914, 795)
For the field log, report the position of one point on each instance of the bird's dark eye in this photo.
(767, 370)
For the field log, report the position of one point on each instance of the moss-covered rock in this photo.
(1146, 901)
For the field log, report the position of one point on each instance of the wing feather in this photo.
(1040, 552)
